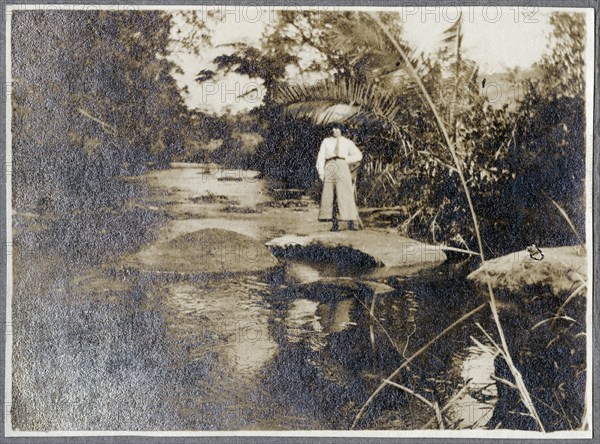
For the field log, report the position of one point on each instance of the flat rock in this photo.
(384, 248)
(562, 270)
(335, 288)
(348, 284)
(309, 279)
(210, 250)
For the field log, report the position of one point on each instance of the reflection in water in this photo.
(412, 308)
(224, 316)
(311, 321)
(474, 409)
(302, 272)
(218, 337)
(335, 317)
(242, 356)
(302, 323)
(250, 358)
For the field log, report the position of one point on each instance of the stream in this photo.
(97, 349)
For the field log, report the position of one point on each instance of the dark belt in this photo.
(335, 158)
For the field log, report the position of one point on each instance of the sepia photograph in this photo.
(299, 221)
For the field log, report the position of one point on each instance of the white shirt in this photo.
(347, 150)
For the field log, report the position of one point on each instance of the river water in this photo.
(99, 350)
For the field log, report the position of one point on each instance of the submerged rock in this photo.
(207, 251)
(345, 284)
(306, 281)
(333, 289)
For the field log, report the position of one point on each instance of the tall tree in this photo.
(93, 91)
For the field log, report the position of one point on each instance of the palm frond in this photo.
(463, 79)
(370, 53)
(452, 39)
(348, 101)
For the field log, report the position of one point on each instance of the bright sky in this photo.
(497, 38)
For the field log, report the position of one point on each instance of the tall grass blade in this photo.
(570, 298)
(411, 392)
(411, 359)
(566, 217)
(524, 393)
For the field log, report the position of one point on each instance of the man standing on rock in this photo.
(336, 155)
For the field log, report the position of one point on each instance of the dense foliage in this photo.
(97, 92)
(518, 157)
(93, 96)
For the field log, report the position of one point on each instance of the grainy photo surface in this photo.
(353, 221)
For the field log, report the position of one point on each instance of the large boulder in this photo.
(561, 270)
(207, 251)
(542, 308)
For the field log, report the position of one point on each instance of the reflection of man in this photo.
(337, 199)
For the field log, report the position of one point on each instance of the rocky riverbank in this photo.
(177, 326)
(205, 203)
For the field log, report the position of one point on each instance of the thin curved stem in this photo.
(412, 358)
(439, 121)
(524, 392)
(525, 396)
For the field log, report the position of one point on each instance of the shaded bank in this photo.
(76, 359)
